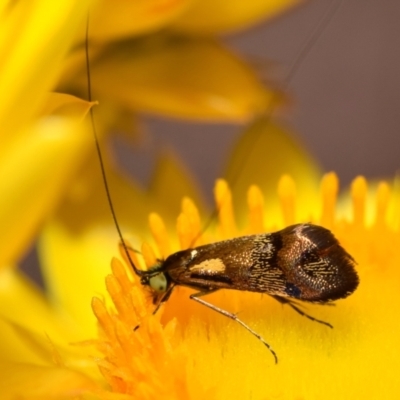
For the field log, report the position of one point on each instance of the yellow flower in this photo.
(220, 357)
(186, 350)
(201, 352)
(54, 345)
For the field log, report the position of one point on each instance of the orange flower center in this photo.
(155, 356)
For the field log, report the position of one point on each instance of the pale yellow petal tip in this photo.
(255, 201)
(286, 187)
(223, 199)
(359, 187)
(160, 234)
(382, 203)
(329, 192)
(189, 224)
(183, 230)
(287, 197)
(359, 190)
(149, 255)
(222, 191)
(100, 312)
(189, 208)
(330, 184)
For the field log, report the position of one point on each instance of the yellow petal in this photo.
(111, 20)
(53, 352)
(33, 331)
(25, 381)
(35, 37)
(23, 303)
(65, 105)
(77, 244)
(14, 348)
(35, 168)
(216, 16)
(178, 77)
(262, 155)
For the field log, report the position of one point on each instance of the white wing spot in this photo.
(211, 265)
(193, 254)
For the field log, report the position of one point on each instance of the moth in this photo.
(301, 262)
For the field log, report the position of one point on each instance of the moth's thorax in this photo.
(218, 265)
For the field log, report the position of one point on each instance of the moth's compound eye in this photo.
(158, 283)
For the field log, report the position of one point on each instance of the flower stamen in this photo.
(148, 254)
(104, 318)
(329, 192)
(189, 225)
(255, 201)
(359, 194)
(287, 198)
(160, 234)
(223, 199)
(382, 203)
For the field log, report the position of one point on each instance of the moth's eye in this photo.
(158, 283)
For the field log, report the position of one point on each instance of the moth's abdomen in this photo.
(316, 267)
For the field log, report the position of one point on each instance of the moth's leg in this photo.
(196, 297)
(163, 299)
(296, 308)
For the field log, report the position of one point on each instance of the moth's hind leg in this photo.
(196, 297)
(292, 304)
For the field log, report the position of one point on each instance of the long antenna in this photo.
(294, 68)
(100, 156)
(312, 40)
(305, 50)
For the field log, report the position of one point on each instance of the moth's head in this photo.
(155, 278)
(157, 281)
